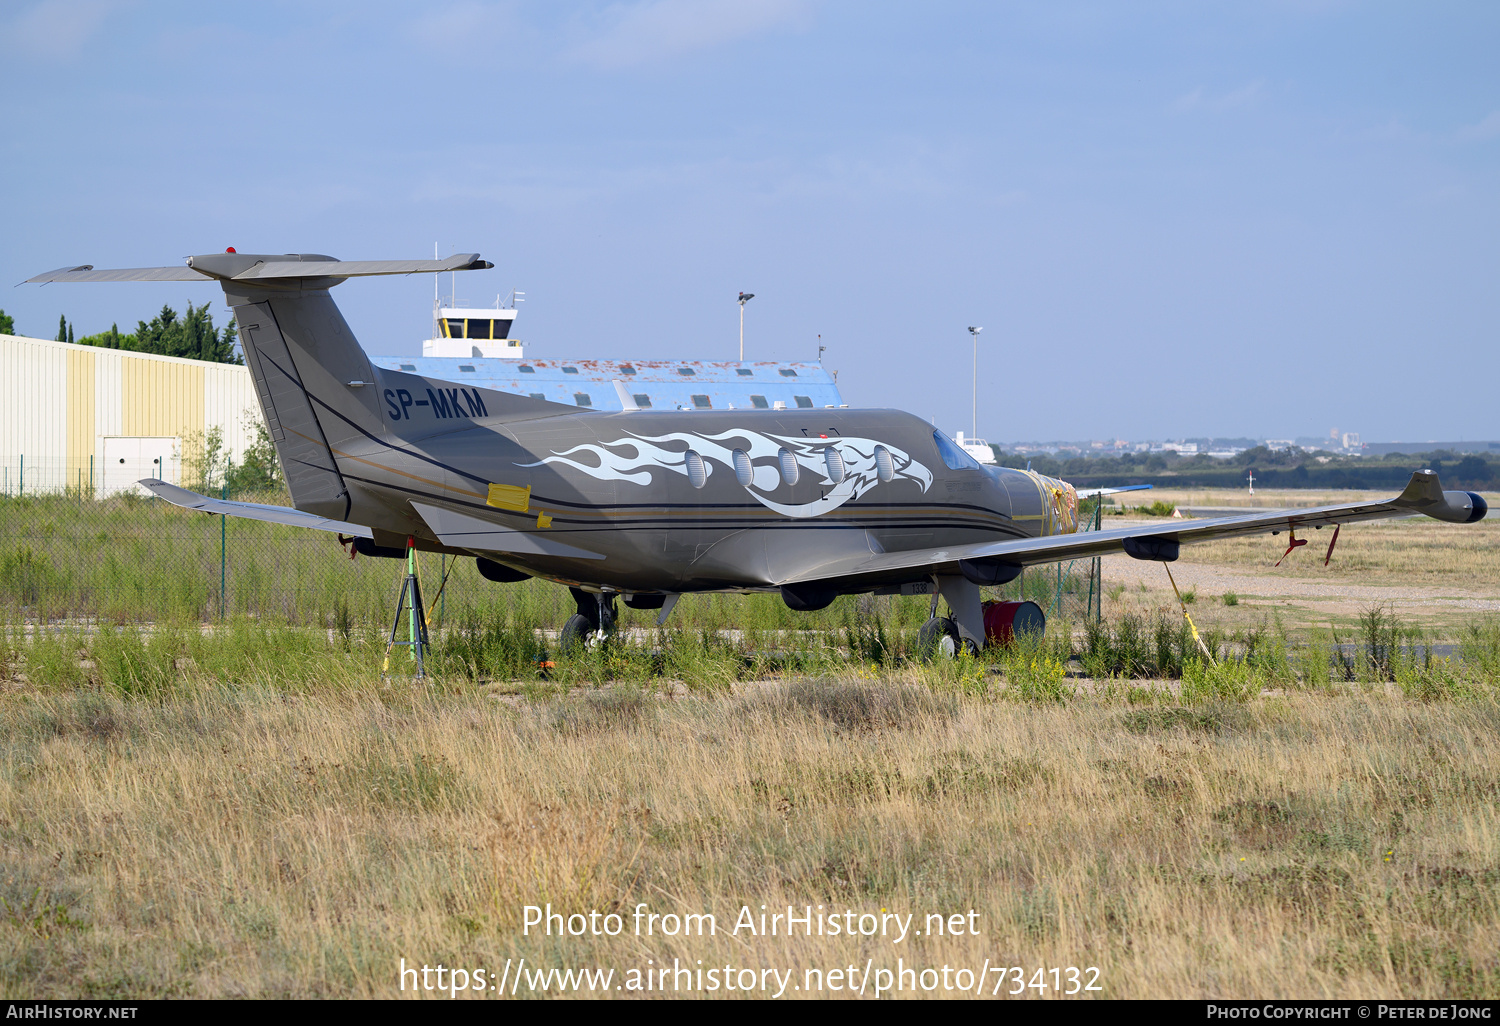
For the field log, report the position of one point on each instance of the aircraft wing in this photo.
(250, 510)
(462, 531)
(1084, 493)
(1147, 541)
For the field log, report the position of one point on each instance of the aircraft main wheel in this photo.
(938, 637)
(579, 635)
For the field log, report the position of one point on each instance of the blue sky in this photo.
(1170, 218)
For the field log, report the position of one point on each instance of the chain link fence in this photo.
(130, 557)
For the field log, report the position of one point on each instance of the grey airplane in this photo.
(649, 505)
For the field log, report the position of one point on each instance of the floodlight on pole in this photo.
(974, 426)
(745, 297)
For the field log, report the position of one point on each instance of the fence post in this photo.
(223, 547)
(21, 494)
(92, 493)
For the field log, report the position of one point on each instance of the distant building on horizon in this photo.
(473, 346)
(1384, 448)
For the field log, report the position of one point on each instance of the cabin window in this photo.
(642, 400)
(627, 369)
(954, 457)
(788, 372)
(526, 368)
(468, 368)
(697, 471)
(759, 402)
(479, 328)
(787, 463)
(453, 327)
(744, 472)
(570, 370)
(686, 372)
(744, 372)
(803, 402)
(834, 461)
(702, 402)
(409, 366)
(538, 395)
(582, 399)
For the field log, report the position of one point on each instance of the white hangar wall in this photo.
(70, 408)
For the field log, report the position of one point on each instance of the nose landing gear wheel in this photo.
(939, 638)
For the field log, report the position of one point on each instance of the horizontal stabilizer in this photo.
(357, 268)
(250, 510)
(251, 267)
(86, 272)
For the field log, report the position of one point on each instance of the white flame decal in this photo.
(635, 457)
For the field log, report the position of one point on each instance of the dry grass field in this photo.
(256, 844)
(1430, 573)
(252, 811)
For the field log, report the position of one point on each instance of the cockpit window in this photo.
(953, 456)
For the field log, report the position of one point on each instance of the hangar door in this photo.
(128, 458)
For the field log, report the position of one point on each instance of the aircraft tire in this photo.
(939, 637)
(578, 635)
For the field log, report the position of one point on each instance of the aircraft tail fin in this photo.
(318, 391)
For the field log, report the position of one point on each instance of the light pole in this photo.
(974, 426)
(745, 297)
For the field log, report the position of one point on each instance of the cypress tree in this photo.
(62, 327)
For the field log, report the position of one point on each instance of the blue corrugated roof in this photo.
(668, 384)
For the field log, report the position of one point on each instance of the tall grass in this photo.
(247, 841)
(129, 558)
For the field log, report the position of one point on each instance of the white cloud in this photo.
(1245, 96)
(1486, 128)
(633, 34)
(59, 28)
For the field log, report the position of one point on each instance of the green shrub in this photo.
(1228, 680)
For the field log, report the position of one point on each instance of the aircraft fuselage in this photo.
(769, 493)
